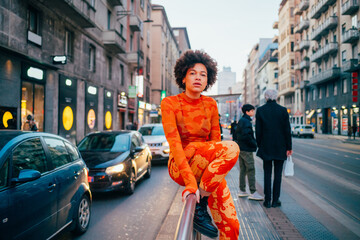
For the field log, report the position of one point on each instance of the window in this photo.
(131, 42)
(327, 91)
(142, 4)
(343, 29)
(92, 3)
(344, 85)
(319, 93)
(355, 52)
(69, 45)
(58, 152)
(354, 21)
(4, 174)
(72, 152)
(109, 20)
(343, 56)
(122, 80)
(308, 96)
(34, 21)
(34, 96)
(148, 11)
(109, 70)
(313, 94)
(28, 155)
(335, 88)
(121, 29)
(92, 58)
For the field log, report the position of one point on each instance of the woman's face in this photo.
(196, 79)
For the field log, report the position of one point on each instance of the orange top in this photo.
(187, 120)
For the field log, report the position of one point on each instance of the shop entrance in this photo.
(32, 103)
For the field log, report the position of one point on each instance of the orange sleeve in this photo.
(168, 110)
(215, 134)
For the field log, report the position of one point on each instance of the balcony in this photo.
(351, 65)
(304, 24)
(350, 7)
(304, 44)
(329, 23)
(329, 48)
(275, 25)
(321, 7)
(304, 64)
(303, 5)
(133, 59)
(297, 11)
(304, 84)
(114, 41)
(115, 3)
(350, 36)
(275, 53)
(275, 39)
(326, 75)
(80, 11)
(135, 23)
(287, 91)
(297, 48)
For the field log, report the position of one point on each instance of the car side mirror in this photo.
(139, 149)
(26, 175)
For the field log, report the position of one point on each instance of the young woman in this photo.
(199, 160)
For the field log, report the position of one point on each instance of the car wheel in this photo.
(148, 171)
(131, 183)
(82, 219)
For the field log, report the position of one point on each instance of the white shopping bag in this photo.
(289, 167)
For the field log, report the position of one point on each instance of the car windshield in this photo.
(105, 143)
(308, 127)
(152, 130)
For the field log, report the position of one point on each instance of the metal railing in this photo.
(185, 230)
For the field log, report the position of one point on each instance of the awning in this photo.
(310, 114)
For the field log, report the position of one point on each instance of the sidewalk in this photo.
(342, 138)
(290, 221)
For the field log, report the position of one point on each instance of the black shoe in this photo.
(276, 204)
(267, 204)
(203, 221)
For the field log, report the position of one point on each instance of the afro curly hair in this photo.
(188, 60)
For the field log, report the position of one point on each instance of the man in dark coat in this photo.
(273, 137)
(233, 129)
(244, 136)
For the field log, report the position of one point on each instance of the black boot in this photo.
(203, 221)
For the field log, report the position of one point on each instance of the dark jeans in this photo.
(247, 168)
(278, 167)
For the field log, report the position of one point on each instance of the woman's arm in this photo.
(215, 134)
(168, 112)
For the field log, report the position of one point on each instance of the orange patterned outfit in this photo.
(198, 157)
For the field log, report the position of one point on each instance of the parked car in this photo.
(155, 137)
(293, 125)
(304, 130)
(116, 160)
(43, 186)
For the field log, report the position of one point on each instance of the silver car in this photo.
(154, 136)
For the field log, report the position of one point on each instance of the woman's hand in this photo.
(197, 194)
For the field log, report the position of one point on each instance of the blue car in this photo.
(43, 186)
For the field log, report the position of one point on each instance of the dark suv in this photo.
(43, 186)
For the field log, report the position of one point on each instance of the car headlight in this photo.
(165, 144)
(115, 169)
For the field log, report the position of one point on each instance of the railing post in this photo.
(184, 230)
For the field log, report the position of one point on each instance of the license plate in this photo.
(90, 179)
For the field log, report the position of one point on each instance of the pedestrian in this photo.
(349, 131)
(354, 130)
(30, 124)
(247, 143)
(233, 129)
(273, 137)
(198, 159)
(134, 126)
(221, 130)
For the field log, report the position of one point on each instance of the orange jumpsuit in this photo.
(198, 157)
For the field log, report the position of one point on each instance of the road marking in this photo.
(319, 201)
(325, 163)
(332, 148)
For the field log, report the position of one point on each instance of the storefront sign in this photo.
(344, 124)
(355, 87)
(108, 109)
(91, 108)
(140, 85)
(148, 106)
(67, 118)
(153, 114)
(163, 94)
(132, 91)
(122, 101)
(141, 104)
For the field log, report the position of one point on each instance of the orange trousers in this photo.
(210, 162)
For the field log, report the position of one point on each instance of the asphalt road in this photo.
(138, 216)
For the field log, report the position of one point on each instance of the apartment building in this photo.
(286, 55)
(71, 64)
(165, 52)
(249, 76)
(331, 94)
(267, 74)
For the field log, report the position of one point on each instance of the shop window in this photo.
(69, 45)
(32, 103)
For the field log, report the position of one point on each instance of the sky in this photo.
(227, 30)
